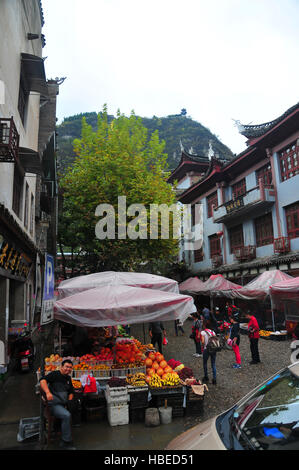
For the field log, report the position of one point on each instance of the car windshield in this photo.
(269, 419)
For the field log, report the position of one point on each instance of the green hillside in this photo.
(172, 129)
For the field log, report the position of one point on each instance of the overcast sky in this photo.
(219, 59)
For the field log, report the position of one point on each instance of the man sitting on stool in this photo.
(58, 388)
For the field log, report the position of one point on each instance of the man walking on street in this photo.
(156, 332)
(254, 334)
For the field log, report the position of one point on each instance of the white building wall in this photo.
(17, 19)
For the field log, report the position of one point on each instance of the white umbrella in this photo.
(114, 305)
(113, 278)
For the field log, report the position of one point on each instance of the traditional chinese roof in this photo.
(257, 130)
(274, 260)
(189, 162)
(277, 131)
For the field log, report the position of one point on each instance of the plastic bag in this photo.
(91, 385)
(165, 341)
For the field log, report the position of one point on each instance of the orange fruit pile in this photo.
(156, 365)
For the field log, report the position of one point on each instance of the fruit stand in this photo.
(131, 377)
(130, 373)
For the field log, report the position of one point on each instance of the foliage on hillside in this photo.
(172, 129)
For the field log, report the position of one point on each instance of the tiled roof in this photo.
(257, 130)
(257, 263)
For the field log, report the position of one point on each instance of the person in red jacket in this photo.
(254, 334)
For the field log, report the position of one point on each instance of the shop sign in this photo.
(47, 314)
(233, 205)
(13, 260)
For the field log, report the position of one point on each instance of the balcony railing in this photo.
(282, 245)
(9, 141)
(245, 253)
(217, 260)
(261, 196)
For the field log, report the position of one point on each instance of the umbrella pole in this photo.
(143, 333)
(273, 323)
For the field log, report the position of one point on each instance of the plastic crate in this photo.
(175, 402)
(194, 403)
(119, 372)
(191, 396)
(137, 370)
(105, 363)
(137, 415)
(28, 427)
(116, 391)
(94, 413)
(79, 372)
(194, 408)
(116, 395)
(178, 412)
(118, 414)
(167, 391)
(102, 373)
(138, 397)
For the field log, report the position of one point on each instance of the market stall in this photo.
(191, 285)
(112, 278)
(216, 286)
(129, 375)
(259, 289)
(285, 297)
(137, 379)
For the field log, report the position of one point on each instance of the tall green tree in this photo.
(118, 159)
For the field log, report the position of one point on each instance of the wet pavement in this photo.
(18, 400)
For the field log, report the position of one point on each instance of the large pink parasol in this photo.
(259, 288)
(112, 278)
(191, 285)
(114, 305)
(217, 285)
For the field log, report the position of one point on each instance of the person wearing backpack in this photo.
(208, 351)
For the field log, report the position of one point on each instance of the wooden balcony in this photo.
(217, 260)
(259, 197)
(9, 141)
(282, 245)
(245, 253)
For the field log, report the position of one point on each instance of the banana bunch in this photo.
(180, 367)
(171, 380)
(156, 381)
(265, 333)
(136, 379)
